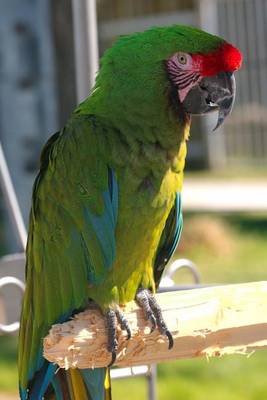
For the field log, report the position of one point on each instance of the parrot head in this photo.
(204, 82)
(162, 76)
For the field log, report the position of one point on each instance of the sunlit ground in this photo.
(226, 249)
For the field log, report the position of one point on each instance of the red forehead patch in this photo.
(227, 58)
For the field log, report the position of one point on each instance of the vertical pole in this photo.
(92, 34)
(85, 45)
(12, 202)
(207, 12)
(152, 383)
(62, 33)
(215, 142)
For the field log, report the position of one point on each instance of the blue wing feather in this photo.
(103, 227)
(169, 239)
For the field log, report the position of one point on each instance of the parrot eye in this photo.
(182, 58)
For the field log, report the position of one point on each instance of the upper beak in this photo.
(210, 94)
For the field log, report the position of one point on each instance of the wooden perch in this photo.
(204, 322)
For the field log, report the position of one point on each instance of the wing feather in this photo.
(71, 241)
(169, 239)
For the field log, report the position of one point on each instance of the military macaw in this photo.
(106, 204)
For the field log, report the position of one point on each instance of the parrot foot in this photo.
(123, 323)
(147, 301)
(113, 317)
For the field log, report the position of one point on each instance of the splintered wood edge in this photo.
(207, 322)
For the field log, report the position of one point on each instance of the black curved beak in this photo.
(214, 93)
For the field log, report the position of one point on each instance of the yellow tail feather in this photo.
(107, 386)
(78, 387)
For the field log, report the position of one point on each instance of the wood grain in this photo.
(204, 322)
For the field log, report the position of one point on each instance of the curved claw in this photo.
(129, 333)
(113, 358)
(148, 303)
(114, 316)
(123, 322)
(170, 338)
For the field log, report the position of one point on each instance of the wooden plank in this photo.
(204, 322)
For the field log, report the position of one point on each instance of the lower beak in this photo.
(213, 93)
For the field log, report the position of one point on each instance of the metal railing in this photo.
(5, 281)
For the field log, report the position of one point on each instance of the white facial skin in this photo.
(184, 72)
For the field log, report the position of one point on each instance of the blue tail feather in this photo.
(42, 381)
(94, 380)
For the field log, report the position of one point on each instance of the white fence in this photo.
(244, 22)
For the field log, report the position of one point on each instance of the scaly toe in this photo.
(159, 318)
(123, 322)
(112, 340)
(142, 300)
(113, 317)
(153, 313)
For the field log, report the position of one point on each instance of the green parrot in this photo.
(106, 204)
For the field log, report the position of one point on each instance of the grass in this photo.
(227, 248)
(232, 378)
(8, 363)
(242, 172)
(223, 378)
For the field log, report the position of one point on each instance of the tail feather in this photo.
(80, 384)
(107, 385)
(60, 385)
(78, 387)
(53, 383)
(57, 389)
(41, 382)
(97, 382)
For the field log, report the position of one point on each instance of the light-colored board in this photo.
(204, 322)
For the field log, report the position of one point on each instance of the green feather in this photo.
(82, 243)
(63, 248)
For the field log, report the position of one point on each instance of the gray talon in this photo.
(143, 301)
(113, 358)
(123, 323)
(111, 325)
(170, 338)
(114, 317)
(148, 303)
(153, 313)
